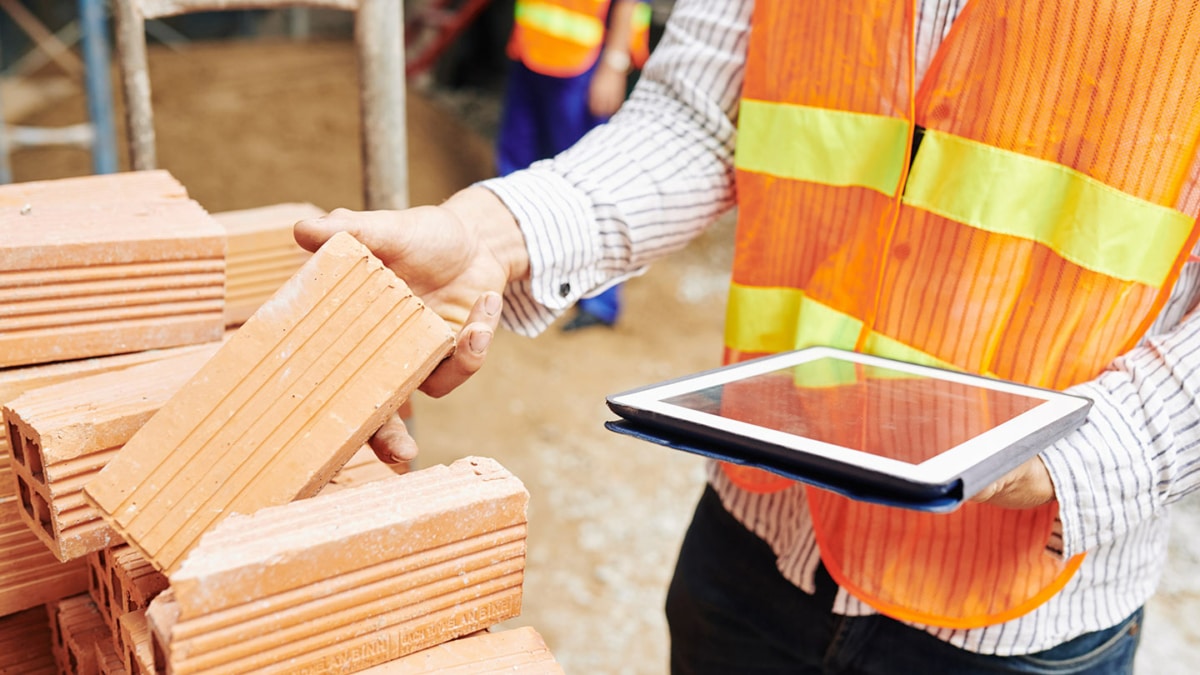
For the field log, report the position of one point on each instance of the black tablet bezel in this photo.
(956, 473)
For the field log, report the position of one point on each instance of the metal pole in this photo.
(98, 83)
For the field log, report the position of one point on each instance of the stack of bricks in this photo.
(159, 474)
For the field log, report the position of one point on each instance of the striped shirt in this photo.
(647, 183)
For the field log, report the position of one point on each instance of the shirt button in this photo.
(564, 290)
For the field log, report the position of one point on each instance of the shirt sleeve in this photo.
(1139, 449)
(642, 185)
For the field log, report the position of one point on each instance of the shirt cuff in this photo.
(565, 250)
(1090, 470)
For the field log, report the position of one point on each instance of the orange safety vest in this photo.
(563, 38)
(1033, 235)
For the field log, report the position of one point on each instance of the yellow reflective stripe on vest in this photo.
(642, 13)
(771, 320)
(1085, 221)
(560, 23)
(819, 145)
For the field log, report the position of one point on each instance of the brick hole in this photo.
(95, 579)
(130, 605)
(41, 512)
(27, 452)
(118, 590)
(26, 495)
(102, 558)
(14, 442)
(73, 659)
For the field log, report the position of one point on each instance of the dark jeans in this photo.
(731, 611)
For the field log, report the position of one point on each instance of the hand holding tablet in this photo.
(871, 428)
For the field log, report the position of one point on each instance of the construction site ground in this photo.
(256, 123)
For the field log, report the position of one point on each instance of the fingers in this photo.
(1027, 486)
(380, 231)
(471, 349)
(392, 443)
(311, 233)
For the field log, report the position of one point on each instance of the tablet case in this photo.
(841, 485)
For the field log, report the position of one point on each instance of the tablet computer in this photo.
(869, 427)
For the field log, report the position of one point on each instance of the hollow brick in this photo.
(135, 644)
(16, 381)
(105, 265)
(76, 626)
(261, 254)
(25, 646)
(520, 651)
(30, 575)
(280, 408)
(345, 581)
(64, 434)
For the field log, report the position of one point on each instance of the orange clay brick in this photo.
(280, 408)
(104, 265)
(30, 575)
(25, 643)
(120, 580)
(135, 644)
(108, 661)
(64, 434)
(363, 467)
(345, 581)
(520, 651)
(16, 381)
(76, 627)
(261, 254)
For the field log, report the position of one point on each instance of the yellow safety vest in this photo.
(563, 38)
(1018, 215)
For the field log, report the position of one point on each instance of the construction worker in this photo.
(569, 69)
(1007, 188)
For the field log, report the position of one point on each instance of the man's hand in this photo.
(458, 258)
(1024, 487)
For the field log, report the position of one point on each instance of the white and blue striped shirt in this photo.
(647, 183)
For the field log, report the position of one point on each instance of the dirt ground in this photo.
(245, 125)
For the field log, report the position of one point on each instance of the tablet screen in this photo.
(900, 415)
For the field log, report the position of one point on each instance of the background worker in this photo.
(569, 66)
(979, 187)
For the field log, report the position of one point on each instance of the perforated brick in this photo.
(30, 575)
(106, 264)
(64, 434)
(261, 254)
(280, 408)
(341, 582)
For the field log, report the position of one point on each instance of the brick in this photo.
(16, 381)
(108, 661)
(105, 265)
(25, 643)
(279, 409)
(363, 467)
(76, 627)
(135, 644)
(261, 254)
(64, 434)
(30, 575)
(120, 581)
(345, 581)
(520, 651)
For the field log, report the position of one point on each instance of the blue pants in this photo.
(731, 611)
(543, 116)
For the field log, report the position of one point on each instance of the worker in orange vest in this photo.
(569, 64)
(1003, 187)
